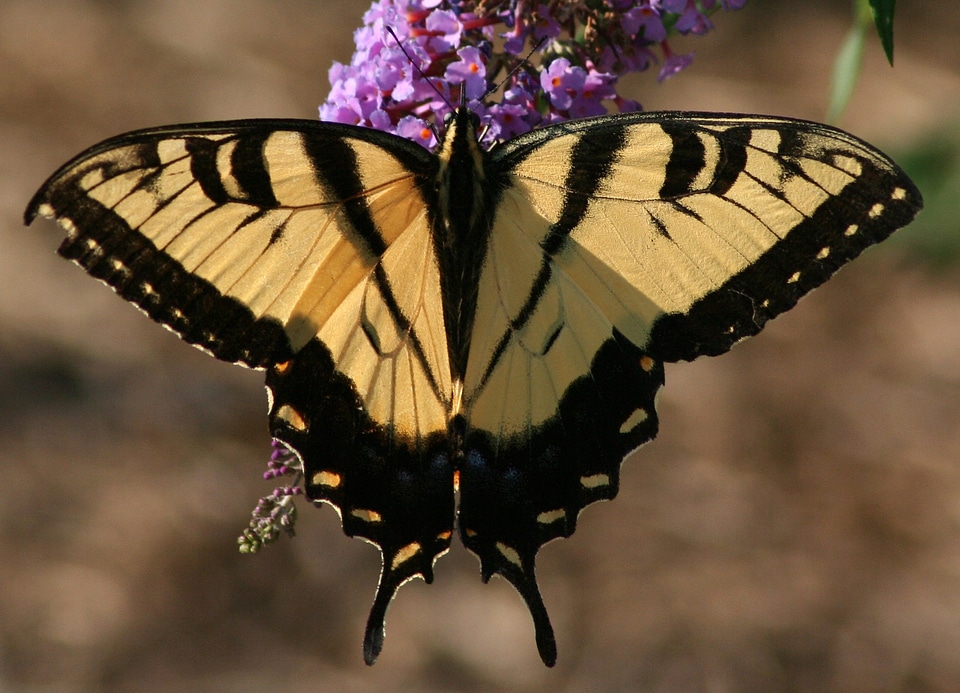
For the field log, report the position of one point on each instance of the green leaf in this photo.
(883, 19)
(846, 69)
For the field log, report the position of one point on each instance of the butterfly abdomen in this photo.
(467, 197)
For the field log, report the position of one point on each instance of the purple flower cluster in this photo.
(446, 50)
(275, 513)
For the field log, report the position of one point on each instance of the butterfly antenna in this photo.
(416, 66)
(516, 68)
(511, 73)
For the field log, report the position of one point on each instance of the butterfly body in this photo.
(471, 340)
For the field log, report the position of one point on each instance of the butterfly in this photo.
(471, 340)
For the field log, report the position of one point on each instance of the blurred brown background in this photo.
(796, 527)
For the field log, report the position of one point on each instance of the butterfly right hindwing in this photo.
(398, 493)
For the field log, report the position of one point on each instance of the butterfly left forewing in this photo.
(704, 227)
(819, 195)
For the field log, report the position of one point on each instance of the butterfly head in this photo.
(460, 128)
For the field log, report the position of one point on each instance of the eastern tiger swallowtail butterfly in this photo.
(470, 338)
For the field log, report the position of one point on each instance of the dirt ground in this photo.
(795, 527)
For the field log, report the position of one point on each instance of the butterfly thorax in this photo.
(461, 229)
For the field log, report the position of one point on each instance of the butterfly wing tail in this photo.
(396, 493)
(522, 491)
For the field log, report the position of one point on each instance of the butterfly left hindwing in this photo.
(492, 321)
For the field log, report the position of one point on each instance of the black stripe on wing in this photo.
(336, 165)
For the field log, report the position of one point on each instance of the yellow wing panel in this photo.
(535, 332)
(387, 335)
(295, 261)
